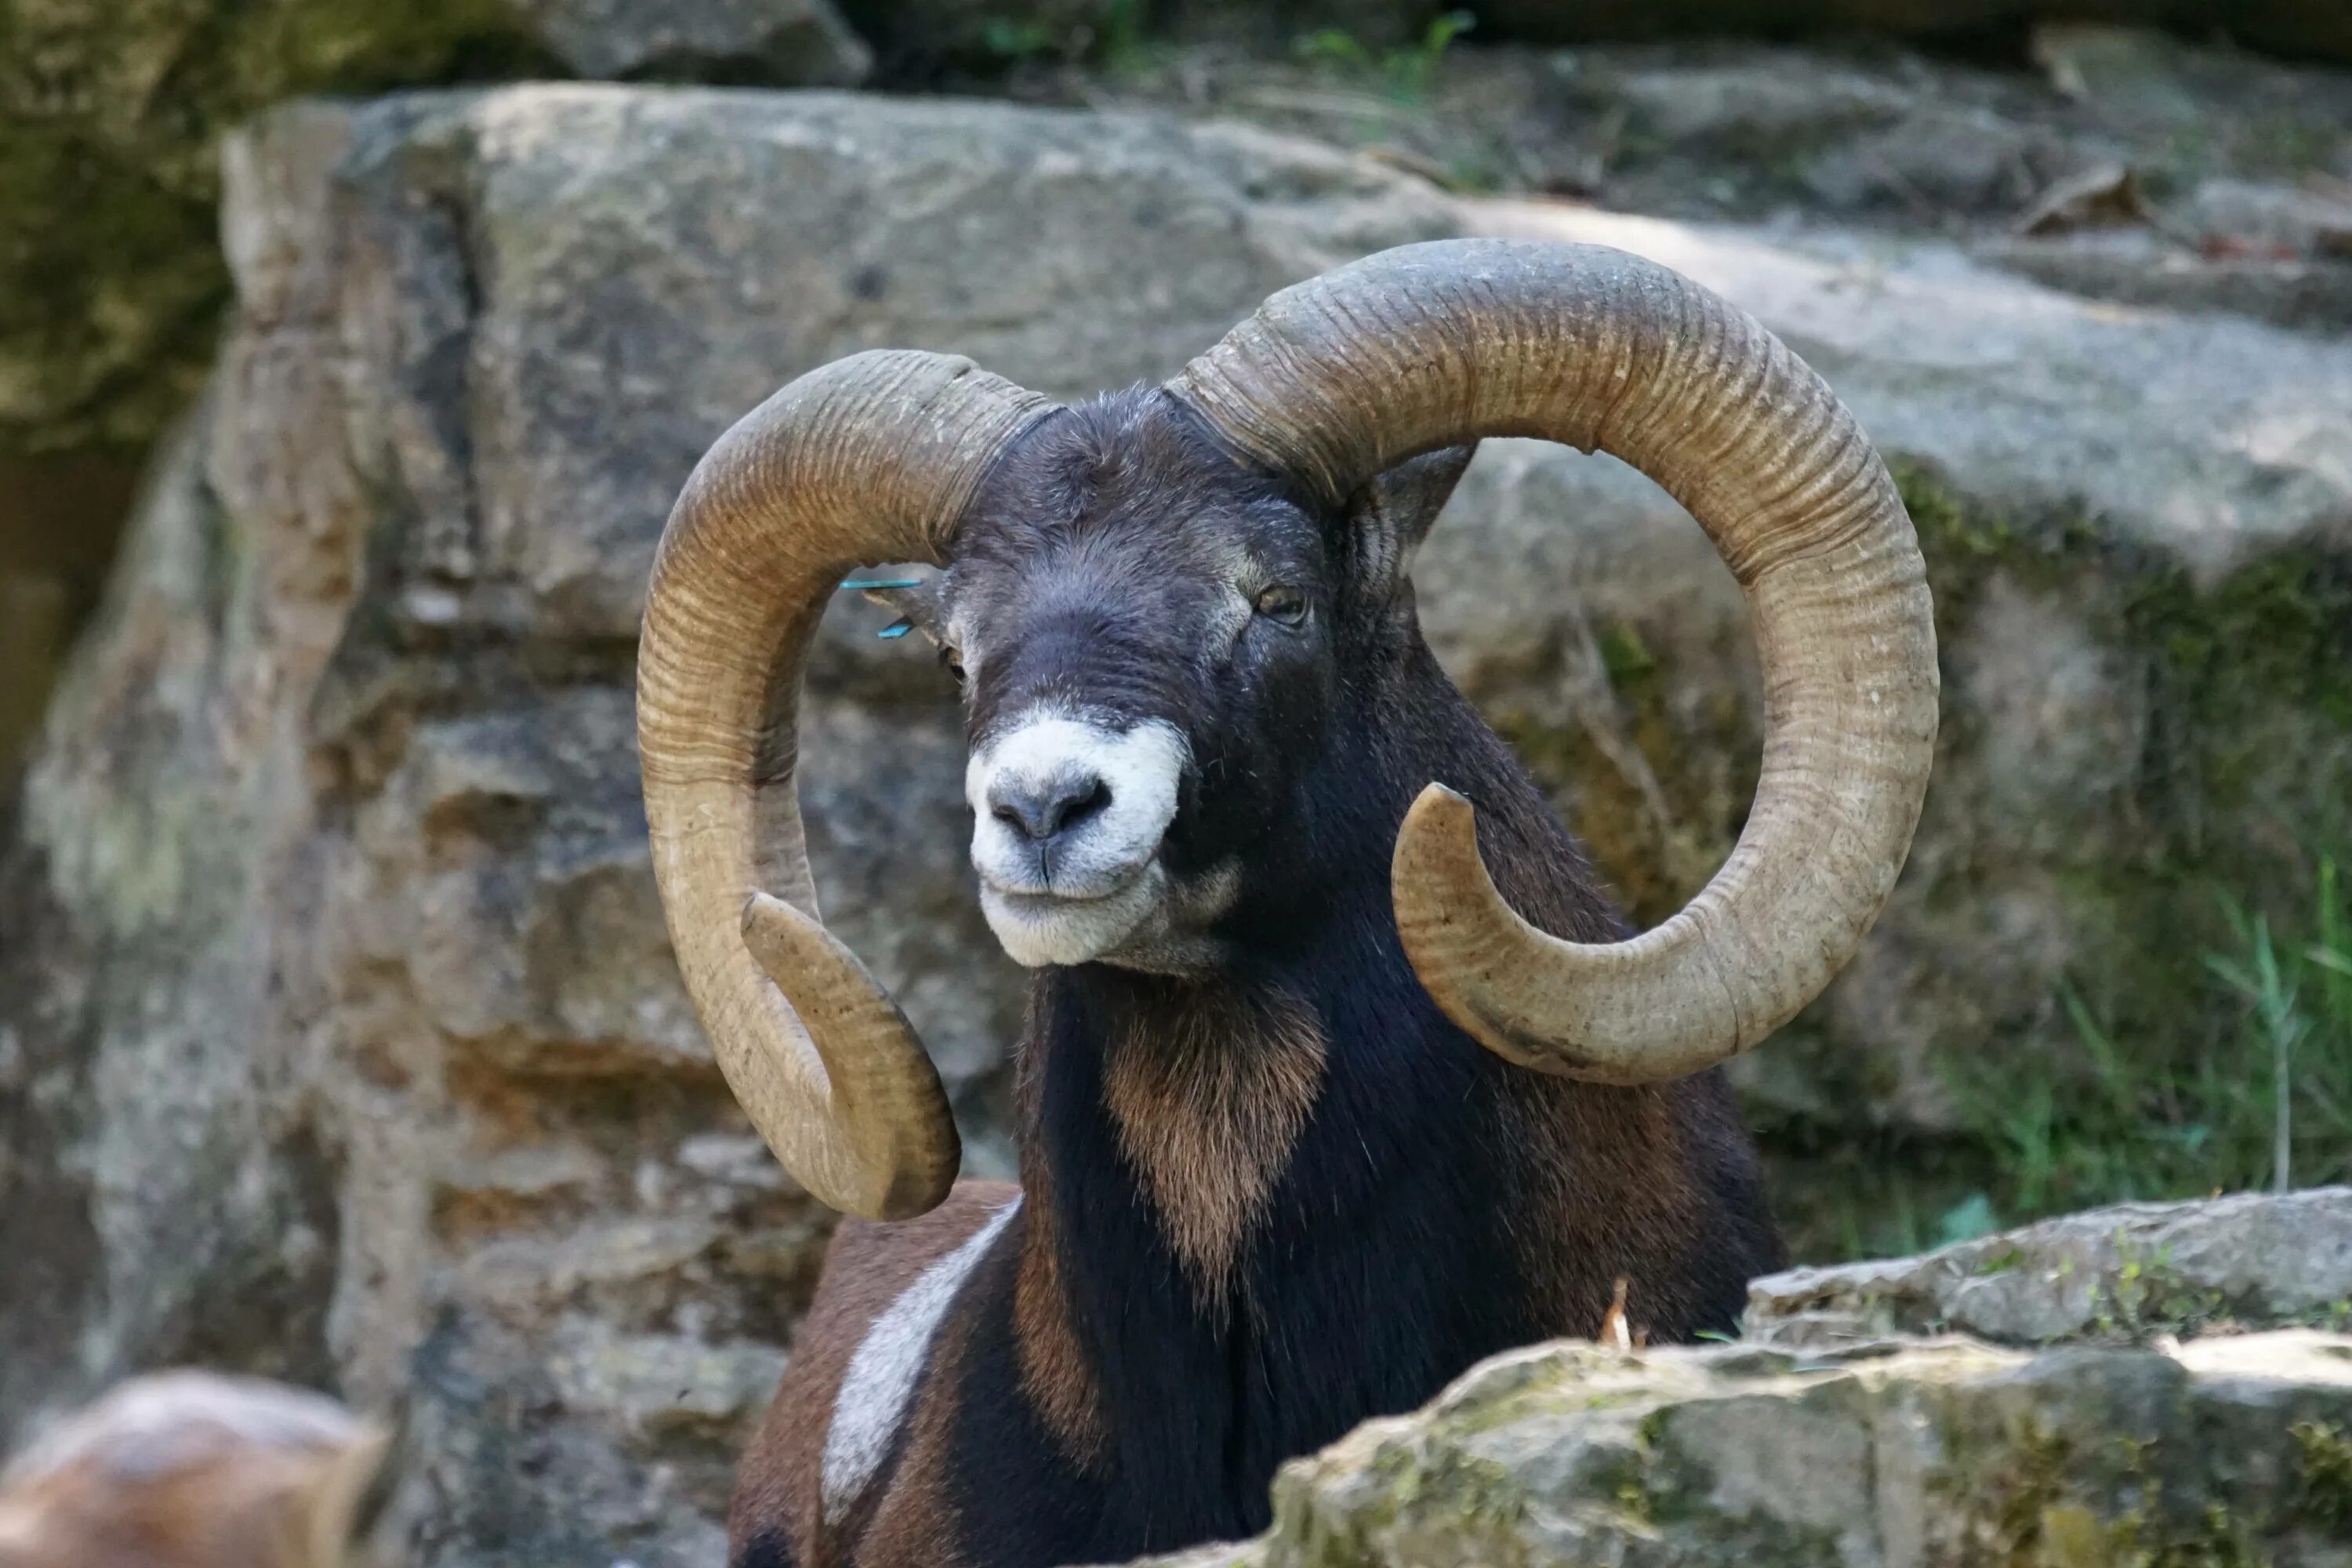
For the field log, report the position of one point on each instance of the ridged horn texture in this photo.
(1340, 378)
(869, 458)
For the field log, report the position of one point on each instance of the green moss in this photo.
(1535, 1399)
(2323, 1476)
(1474, 1496)
(2282, 627)
(2027, 1497)
(2275, 634)
(1634, 1501)
(1966, 542)
(1652, 1431)
(2215, 1539)
(109, 303)
(2241, 693)
(2025, 1492)
(1465, 1486)
(2147, 1297)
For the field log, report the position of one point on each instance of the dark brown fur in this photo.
(867, 1266)
(1053, 1370)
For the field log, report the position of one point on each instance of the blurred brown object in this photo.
(2097, 198)
(189, 1470)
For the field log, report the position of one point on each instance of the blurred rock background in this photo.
(339, 1040)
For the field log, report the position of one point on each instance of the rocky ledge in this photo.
(2234, 1451)
(2103, 1433)
(2122, 1274)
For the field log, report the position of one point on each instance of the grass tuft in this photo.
(2267, 1103)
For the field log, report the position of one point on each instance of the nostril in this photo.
(1089, 799)
(1040, 812)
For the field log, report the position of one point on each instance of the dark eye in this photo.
(953, 658)
(1288, 605)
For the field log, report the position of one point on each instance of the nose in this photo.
(1042, 809)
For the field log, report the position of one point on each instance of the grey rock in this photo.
(781, 41)
(2279, 252)
(2237, 154)
(1930, 1451)
(2146, 267)
(2130, 1272)
(2032, 401)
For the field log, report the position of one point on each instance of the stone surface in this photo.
(2223, 1451)
(338, 1037)
(792, 41)
(111, 286)
(2241, 163)
(2124, 1273)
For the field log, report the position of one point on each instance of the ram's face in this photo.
(1143, 631)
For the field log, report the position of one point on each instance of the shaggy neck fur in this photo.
(1266, 1204)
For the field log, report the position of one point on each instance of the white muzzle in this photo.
(1068, 813)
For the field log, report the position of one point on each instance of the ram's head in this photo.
(1154, 638)
(1152, 601)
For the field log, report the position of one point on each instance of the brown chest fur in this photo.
(1209, 1100)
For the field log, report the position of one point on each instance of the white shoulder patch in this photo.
(880, 1384)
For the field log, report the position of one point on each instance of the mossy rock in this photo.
(2228, 1452)
(2134, 1273)
(111, 292)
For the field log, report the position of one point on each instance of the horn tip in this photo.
(1439, 808)
(1436, 854)
(774, 932)
(1436, 797)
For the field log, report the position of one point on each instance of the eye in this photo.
(952, 657)
(1283, 603)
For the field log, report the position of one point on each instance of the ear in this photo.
(916, 602)
(1391, 515)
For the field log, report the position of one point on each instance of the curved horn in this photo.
(869, 458)
(1429, 345)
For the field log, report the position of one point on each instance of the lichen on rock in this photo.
(2225, 1451)
(2121, 1274)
